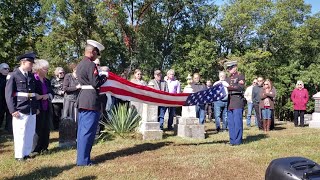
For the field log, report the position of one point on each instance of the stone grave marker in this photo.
(149, 126)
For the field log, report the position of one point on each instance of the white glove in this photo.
(104, 73)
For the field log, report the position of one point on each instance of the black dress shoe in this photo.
(20, 159)
(45, 151)
(34, 154)
(27, 157)
(91, 164)
(170, 128)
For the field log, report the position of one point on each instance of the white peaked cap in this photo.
(95, 44)
(97, 61)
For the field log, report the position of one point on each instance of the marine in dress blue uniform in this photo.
(88, 101)
(235, 103)
(23, 105)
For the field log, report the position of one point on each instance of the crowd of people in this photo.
(30, 101)
(259, 98)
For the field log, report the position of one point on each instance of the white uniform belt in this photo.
(23, 94)
(87, 87)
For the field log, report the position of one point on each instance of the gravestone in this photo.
(149, 126)
(315, 122)
(188, 111)
(307, 118)
(187, 124)
(67, 132)
(190, 127)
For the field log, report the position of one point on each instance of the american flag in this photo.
(128, 91)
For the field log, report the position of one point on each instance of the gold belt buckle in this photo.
(29, 95)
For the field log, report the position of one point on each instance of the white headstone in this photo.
(149, 126)
(315, 122)
(188, 111)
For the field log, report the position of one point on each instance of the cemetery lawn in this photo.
(171, 158)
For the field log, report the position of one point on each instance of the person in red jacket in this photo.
(299, 97)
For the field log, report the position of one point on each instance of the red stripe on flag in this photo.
(146, 88)
(123, 92)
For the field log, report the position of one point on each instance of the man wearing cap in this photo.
(159, 84)
(22, 103)
(88, 101)
(4, 111)
(235, 103)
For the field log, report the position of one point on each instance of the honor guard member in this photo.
(88, 101)
(235, 103)
(22, 104)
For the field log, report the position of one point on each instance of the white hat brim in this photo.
(95, 44)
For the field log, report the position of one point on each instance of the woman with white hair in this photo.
(4, 111)
(43, 88)
(299, 97)
(57, 102)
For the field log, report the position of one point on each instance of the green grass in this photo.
(171, 158)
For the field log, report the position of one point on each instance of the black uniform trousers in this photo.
(43, 131)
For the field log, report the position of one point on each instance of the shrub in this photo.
(121, 120)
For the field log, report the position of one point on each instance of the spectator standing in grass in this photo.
(221, 105)
(248, 96)
(45, 92)
(57, 102)
(4, 111)
(267, 104)
(299, 97)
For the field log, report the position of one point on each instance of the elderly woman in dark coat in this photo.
(71, 87)
(57, 102)
(43, 88)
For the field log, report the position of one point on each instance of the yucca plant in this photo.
(122, 119)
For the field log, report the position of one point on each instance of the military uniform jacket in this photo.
(19, 83)
(236, 88)
(87, 74)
